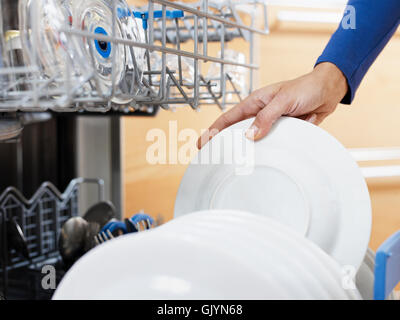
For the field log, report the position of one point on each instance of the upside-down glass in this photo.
(236, 77)
(118, 67)
(48, 47)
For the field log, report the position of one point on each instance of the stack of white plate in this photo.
(288, 217)
(208, 255)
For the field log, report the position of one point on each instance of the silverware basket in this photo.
(40, 220)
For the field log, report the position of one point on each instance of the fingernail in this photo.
(252, 132)
(312, 118)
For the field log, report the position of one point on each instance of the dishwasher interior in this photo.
(65, 83)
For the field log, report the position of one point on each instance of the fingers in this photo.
(227, 119)
(266, 118)
(246, 109)
(206, 137)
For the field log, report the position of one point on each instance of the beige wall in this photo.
(289, 51)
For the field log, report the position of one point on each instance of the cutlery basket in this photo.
(40, 219)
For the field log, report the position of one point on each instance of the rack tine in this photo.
(181, 90)
(236, 91)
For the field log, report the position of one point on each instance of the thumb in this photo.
(266, 118)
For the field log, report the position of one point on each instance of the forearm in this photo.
(354, 50)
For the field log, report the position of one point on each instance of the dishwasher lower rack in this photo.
(40, 220)
(159, 69)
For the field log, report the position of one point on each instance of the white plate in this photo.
(277, 266)
(271, 236)
(241, 251)
(291, 261)
(301, 176)
(156, 265)
(248, 248)
(323, 267)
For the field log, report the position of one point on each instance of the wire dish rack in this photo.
(166, 61)
(40, 219)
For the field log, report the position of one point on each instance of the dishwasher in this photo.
(67, 78)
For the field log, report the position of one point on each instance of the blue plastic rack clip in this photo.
(387, 267)
(170, 14)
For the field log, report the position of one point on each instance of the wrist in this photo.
(333, 80)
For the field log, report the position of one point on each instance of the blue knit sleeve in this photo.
(366, 28)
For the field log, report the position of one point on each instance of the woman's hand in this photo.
(311, 97)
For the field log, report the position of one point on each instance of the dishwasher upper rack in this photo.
(28, 91)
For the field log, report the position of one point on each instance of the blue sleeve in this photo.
(366, 28)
